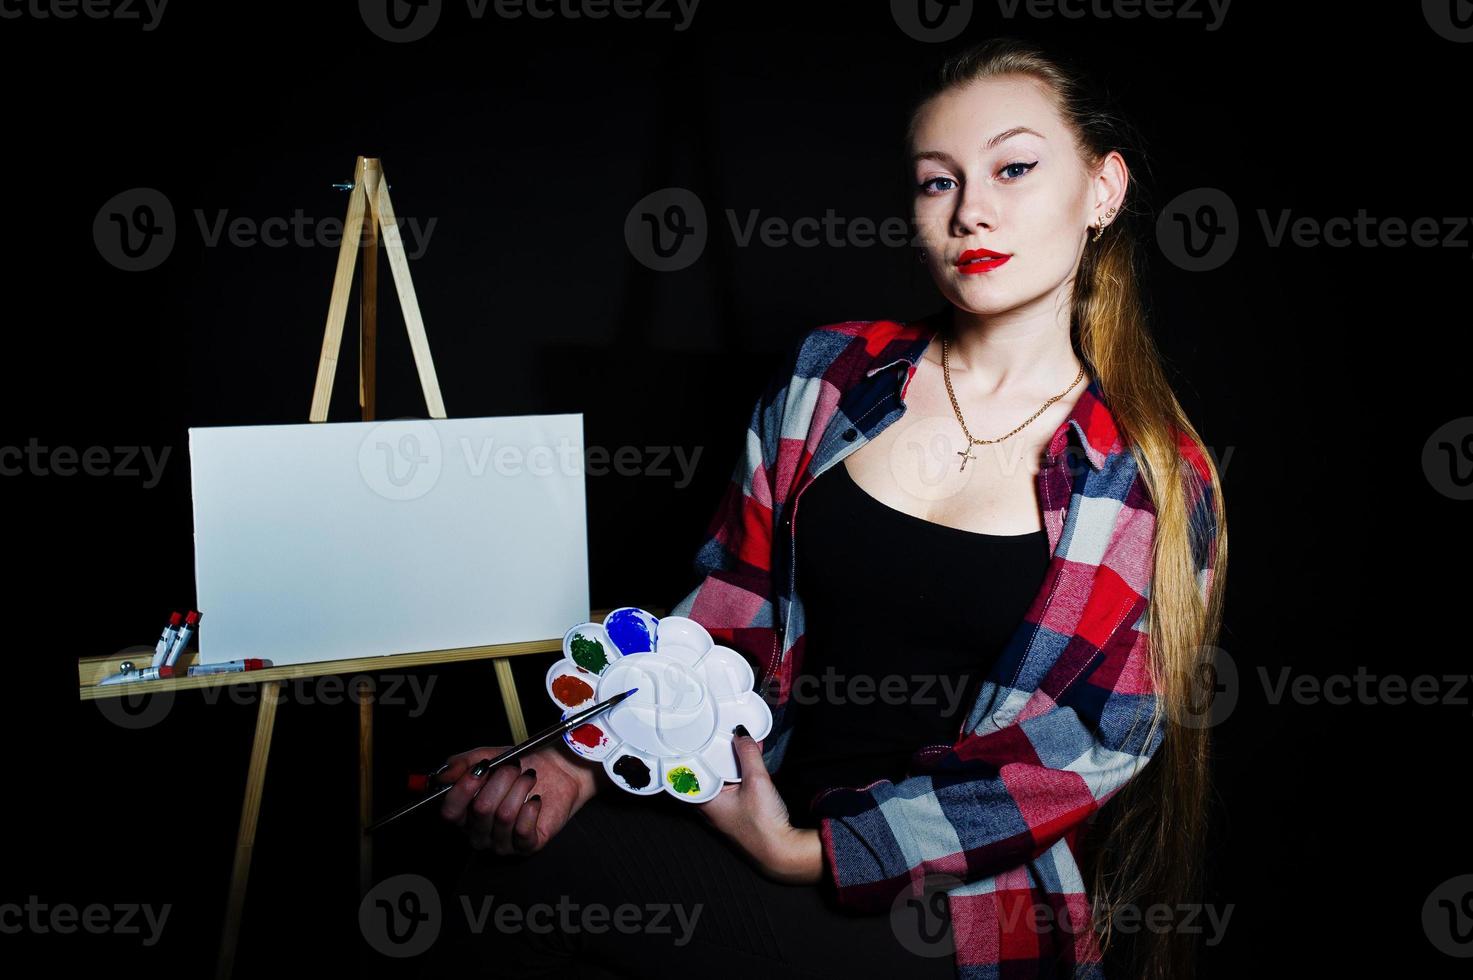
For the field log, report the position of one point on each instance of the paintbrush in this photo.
(485, 765)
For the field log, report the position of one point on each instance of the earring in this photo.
(921, 256)
(1100, 224)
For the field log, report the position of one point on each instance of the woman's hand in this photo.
(496, 810)
(752, 813)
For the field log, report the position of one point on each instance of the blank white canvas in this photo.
(334, 540)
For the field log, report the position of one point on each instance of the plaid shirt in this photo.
(994, 819)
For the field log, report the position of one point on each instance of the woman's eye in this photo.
(1025, 168)
(929, 186)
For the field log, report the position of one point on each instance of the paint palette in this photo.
(675, 733)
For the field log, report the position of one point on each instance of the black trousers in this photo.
(644, 887)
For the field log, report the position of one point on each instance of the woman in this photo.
(1008, 577)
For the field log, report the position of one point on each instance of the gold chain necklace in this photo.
(966, 454)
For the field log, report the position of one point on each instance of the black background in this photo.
(1316, 374)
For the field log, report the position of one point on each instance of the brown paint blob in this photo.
(570, 690)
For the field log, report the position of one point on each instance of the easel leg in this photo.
(365, 783)
(337, 308)
(245, 840)
(368, 302)
(509, 699)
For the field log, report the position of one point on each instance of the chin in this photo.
(981, 298)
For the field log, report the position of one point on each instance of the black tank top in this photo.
(903, 619)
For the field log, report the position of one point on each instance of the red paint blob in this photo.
(570, 690)
(587, 735)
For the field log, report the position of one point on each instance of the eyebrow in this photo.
(1005, 134)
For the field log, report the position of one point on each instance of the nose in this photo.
(974, 210)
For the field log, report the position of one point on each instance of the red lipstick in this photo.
(980, 260)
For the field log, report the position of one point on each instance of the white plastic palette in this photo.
(675, 732)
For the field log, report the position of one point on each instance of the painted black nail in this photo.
(534, 796)
(529, 772)
(742, 731)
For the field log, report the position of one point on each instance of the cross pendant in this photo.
(965, 454)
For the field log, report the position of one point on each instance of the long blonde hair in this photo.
(1150, 838)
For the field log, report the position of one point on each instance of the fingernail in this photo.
(529, 772)
(534, 796)
(742, 731)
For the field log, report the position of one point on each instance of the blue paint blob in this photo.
(631, 631)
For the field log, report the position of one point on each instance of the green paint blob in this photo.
(684, 780)
(589, 654)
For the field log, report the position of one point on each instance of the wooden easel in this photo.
(370, 219)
